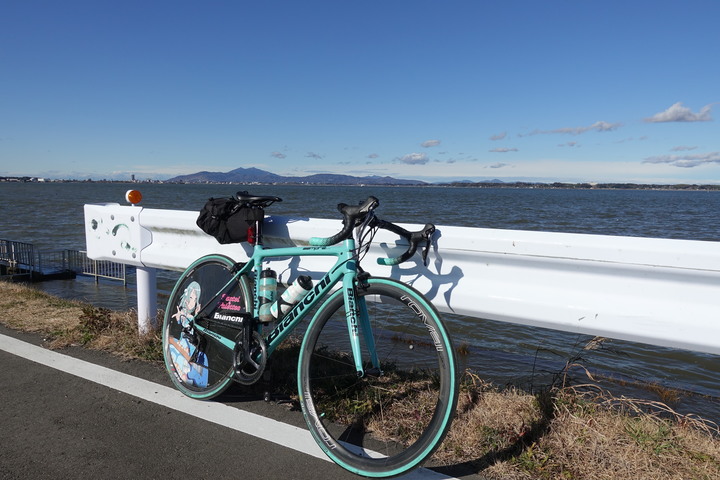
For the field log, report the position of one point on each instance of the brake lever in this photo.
(428, 232)
(425, 251)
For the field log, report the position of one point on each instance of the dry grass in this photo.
(596, 437)
(490, 425)
(66, 323)
(563, 433)
(30, 310)
(577, 433)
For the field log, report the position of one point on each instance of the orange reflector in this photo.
(133, 196)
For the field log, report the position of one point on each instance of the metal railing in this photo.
(649, 290)
(52, 262)
(79, 262)
(18, 259)
(21, 260)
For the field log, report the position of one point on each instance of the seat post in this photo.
(258, 232)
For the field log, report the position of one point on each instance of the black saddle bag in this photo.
(228, 219)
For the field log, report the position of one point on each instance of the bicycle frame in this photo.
(344, 270)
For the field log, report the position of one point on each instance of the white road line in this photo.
(289, 436)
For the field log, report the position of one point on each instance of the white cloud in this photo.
(686, 161)
(545, 170)
(430, 143)
(414, 159)
(166, 171)
(682, 148)
(499, 136)
(552, 170)
(678, 113)
(278, 155)
(503, 150)
(597, 126)
(314, 155)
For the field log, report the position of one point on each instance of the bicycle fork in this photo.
(358, 323)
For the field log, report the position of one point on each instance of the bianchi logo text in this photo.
(227, 318)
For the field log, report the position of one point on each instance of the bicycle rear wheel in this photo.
(393, 418)
(205, 289)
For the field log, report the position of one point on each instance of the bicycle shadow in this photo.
(538, 429)
(277, 234)
(416, 268)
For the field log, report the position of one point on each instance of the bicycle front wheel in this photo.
(199, 365)
(395, 416)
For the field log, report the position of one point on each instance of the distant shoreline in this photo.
(483, 184)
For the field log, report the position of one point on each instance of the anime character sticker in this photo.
(181, 350)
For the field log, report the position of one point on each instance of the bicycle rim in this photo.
(205, 289)
(387, 423)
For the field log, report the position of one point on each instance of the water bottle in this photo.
(266, 295)
(292, 295)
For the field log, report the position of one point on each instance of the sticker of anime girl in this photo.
(181, 351)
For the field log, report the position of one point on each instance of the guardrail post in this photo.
(146, 299)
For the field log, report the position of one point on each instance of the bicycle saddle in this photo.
(257, 200)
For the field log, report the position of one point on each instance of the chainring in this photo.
(249, 365)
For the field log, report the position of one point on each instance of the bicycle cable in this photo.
(364, 235)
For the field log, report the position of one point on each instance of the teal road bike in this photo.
(376, 374)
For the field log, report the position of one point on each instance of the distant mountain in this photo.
(255, 175)
(472, 182)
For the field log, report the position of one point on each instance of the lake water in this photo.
(51, 217)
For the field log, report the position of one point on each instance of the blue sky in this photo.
(621, 91)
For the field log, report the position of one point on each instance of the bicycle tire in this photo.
(351, 418)
(205, 288)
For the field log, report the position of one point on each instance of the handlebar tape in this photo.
(351, 215)
(354, 214)
(413, 237)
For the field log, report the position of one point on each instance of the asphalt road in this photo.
(104, 418)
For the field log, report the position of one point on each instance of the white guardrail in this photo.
(648, 290)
